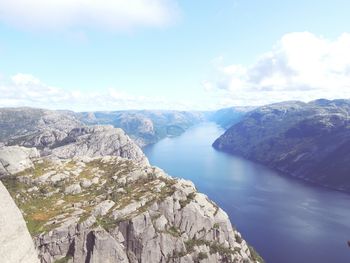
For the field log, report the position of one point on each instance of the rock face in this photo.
(128, 212)
(16, 244)
(14, 159)
(310, 141)
(96, 141)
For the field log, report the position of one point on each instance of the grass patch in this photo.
(188, 200)
(174, 231)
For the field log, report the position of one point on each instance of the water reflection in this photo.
(287, 220)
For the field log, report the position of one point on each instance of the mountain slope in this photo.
(228, 116)
(310, 141)
(93, 141)
(32, 127)
(145, 126)
(112, 209)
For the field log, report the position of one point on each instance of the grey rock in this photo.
(102, 208)
(98, 141)
(73, 189)
(85, 183)
(15, 159)
(35, 127)
(16, 245)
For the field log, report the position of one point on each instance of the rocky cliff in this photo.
(95, 141)
(310, 141)
(16, 244)
(60, 134)
(112, 209)
(35, 127)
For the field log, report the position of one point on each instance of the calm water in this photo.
(286, 220)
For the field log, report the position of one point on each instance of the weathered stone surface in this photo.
(73, 189)
(125, 217)
(38, 128)
(14, 159)
(102, 208)
(97, 141)
(16, 245)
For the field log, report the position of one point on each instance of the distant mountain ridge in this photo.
(145, 126)
(310, 141)
(43, 128)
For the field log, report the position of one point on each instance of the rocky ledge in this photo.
(112, 209)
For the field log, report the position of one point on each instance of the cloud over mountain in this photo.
(300, 66)
(27, 90)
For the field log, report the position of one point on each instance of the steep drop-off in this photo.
(112, 209)
(310, 141)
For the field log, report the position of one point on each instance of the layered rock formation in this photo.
(96, 141)
(16, 244)
(111, 209)
(35, 127)
(310, 141)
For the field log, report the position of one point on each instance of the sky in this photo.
(88, 55)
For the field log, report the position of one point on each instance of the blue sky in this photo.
(178, 54)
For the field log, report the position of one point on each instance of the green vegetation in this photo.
(46, 201)
(202, 255)
(64, 259)
(213, 246)
(174, 231)
(238, 239)
(106, 222)
(188, 200)
(255, 255)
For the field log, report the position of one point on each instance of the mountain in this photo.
(310, 141)
(228, 116)
(112, 209)
(45, 129)
(32, 127)
(92, 141)
(145, 126)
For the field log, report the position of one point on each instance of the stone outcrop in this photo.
(131, 212)
(14, 159)
(96, 141)
(16, 244)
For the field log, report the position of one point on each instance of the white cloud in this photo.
(96, 14)
(301, 66)
(26, 90)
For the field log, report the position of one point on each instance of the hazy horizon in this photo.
(160, 109)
